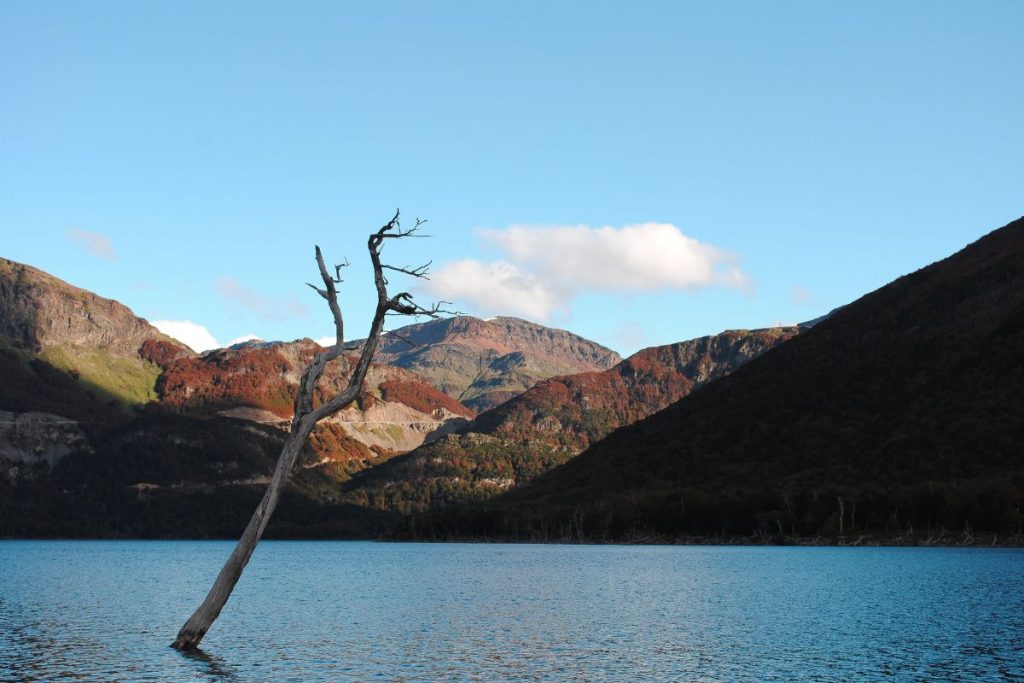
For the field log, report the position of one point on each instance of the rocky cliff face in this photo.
(483, 363)
(555, 420)
(98, 341)
(39, 311)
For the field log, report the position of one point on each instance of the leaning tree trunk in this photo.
(306, 417)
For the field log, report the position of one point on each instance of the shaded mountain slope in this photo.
(552, 422)
(486, 362)
(175, 476)
(902, 413)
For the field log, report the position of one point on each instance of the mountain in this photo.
(107, 350)
(483, 363)
(900, 416)
(108, 426)
(257, 381)
(552, 422)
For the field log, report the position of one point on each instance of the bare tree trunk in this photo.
(201, 620)
(306, 417)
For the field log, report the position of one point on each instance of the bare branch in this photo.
(403, 304)
(419, 271)
(331, 296)
(321, 292)
(337, 270)
(411, 232)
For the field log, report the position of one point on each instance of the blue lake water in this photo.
(348, 611)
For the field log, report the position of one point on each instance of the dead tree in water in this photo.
(307, 415)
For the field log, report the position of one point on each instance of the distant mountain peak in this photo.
(484, 362)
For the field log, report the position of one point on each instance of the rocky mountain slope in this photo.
(900, 415)
(89, 386)
(552, 422)
(98, 341)
(257, 381)
(483, 363)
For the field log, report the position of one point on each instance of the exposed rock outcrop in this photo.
(30, 440)
(38, 311)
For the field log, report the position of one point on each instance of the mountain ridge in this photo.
(552, 422)
(898, 415)
(483, 363)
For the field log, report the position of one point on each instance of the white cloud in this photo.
(194, 335)
(495, 288)
(544, 267)
(243, 338)
(642, 257)
(326, 341)
(93, 242)
(266, 308)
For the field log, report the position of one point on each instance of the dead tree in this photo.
(307, 414)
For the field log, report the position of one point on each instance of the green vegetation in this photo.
(130, 381)
(31, 384)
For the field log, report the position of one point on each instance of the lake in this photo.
(353, 611)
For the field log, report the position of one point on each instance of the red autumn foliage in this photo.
(254, 377)
(330, 442)
(422, 397)
(266, 376)
(162, 352)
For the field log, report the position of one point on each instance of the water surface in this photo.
(348, 611)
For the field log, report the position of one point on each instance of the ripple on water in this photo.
(81, 610)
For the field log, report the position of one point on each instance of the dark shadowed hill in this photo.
(552, 422)
(174, 476)
(901, 414)
(483, 363)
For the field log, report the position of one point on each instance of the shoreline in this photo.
(861, 541)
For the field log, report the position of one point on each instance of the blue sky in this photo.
(639, 173)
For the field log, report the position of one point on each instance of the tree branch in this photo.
(419, 271)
